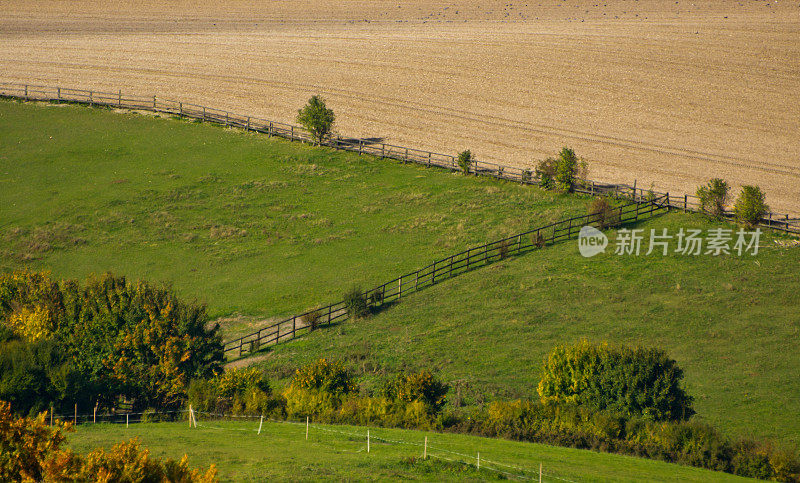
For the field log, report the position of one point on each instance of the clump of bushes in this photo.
(751, 207)
(31, 450)
(236, 391)
(420, 386)
(713, 197)
(561, 173)
(603, 213)
(63, 342)
(683, 442)
(355, 302)
(632, 382)
(464, 161)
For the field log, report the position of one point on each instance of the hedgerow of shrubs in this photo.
(636, 408)
(65, 342)
(31, 450)
(236, 391)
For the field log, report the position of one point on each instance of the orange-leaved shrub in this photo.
(31, 450)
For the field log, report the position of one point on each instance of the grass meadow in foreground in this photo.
(281, 452)
(248, 224)
(730, 322)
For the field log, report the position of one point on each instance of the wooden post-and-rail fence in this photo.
(440, 270)
(776, 221)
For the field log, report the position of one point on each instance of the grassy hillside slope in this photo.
(247, 223)
(339, 453)
(731, 322)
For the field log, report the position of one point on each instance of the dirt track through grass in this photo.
(668, 94)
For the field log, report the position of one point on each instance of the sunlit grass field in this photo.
(282, 453)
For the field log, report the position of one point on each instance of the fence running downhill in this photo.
(639, 208)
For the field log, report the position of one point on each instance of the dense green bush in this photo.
(566, 169)
(750, 207)
(632, 382)
(465, 161)
(355, 302)
(101, 340)
(713, 197)
(420, 386)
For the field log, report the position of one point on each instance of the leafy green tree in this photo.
(751, 207)
(566, 169)
(713, 197)
(317, 118)
(465, 161)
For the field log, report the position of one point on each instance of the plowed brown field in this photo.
(668, 93)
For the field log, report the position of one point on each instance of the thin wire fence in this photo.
(215, 422)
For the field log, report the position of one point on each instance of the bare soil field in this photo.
(669, 93)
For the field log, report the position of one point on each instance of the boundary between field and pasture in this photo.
(686, 202)
(425, 449)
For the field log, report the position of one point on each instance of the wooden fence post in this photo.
(51, 415)
(204, 113)
(91, 98)
(406, 159)
(119, 98)
(360, 146)
(330, 312)
(26, 91)
(294, 326)
(241, 344)
(154, 103)
(399, 287)
(58, 90)
(269, 131)
(292, 133)
(383, 150)
(429, 158)
(180, 108)
(75, 417)
(94, 413)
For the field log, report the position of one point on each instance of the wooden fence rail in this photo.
(639, 207)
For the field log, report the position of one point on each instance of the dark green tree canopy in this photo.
(317, 118)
